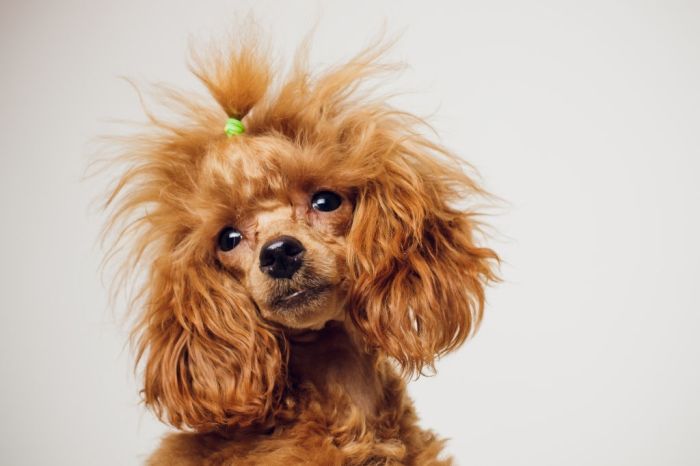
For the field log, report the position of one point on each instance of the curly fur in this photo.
(244, 388)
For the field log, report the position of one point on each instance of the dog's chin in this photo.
(303, 308)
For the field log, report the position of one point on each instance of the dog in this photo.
(303, 255)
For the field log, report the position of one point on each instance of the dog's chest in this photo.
(339, 371)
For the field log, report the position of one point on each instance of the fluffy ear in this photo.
(418, 275)
(210, 362)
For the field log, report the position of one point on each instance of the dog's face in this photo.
(328, 207)
(286, 246)
(291, 256)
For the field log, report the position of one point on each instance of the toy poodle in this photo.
(303, 253)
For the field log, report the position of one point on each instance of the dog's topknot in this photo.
(238, 77)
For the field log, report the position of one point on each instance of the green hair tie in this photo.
(233, 127)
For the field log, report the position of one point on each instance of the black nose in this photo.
(281, 257)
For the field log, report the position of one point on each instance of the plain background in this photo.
(584, 116)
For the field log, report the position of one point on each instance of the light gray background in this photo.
(583, 115)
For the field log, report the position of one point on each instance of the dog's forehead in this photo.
(242, 167)
(256, 168)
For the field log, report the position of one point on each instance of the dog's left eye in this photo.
(229, 238)
(326, 201)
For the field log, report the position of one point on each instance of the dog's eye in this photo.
(229, 238)
(326, 201)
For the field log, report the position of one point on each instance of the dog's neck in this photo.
(333, 360)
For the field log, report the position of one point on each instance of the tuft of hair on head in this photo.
(238, 75)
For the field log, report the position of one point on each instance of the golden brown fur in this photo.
(400, 276)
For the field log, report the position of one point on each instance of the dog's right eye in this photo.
(229, 238)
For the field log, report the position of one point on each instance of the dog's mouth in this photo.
(299, 297)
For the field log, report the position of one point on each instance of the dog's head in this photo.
(329, 207)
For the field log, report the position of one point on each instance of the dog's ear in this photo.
(417, 273)
(210, 361)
